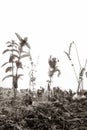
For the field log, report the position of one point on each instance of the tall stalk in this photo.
(32, 77)
(23, 54)
(13, 75)
(14, 59)
(82, 69)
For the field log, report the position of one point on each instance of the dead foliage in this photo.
(64, 114)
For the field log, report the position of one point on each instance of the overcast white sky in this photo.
(50, 25)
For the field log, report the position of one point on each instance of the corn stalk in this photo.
(82, 69)
(53, 68)
(15, 59)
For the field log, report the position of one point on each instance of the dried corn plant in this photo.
(53, 68)
(32, 76)
(79, 77)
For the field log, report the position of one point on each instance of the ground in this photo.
(63, 114)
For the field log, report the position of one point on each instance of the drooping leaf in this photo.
(19, 76)
(15, 56)
(8, 69)
(8, 42)
(7, 50)
(4, 64)
(57, 70)
(8, 76)
(51, 72)
(23, 56)
(67, 55)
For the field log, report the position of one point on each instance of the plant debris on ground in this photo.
(60, 114)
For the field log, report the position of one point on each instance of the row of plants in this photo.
(18, 51)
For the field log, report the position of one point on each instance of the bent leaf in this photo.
(18, 76)
(58, 72)
(7, 50)
(8, 76)
(23, 56)
(8, 42)
(4, 64)
(8, 69)
(67, 55)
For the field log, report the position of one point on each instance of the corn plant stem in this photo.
(30, 59)
(13, 73)
(17, 68)
(74, 70)
(77, 55)
(80, 85)
(80, 82)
